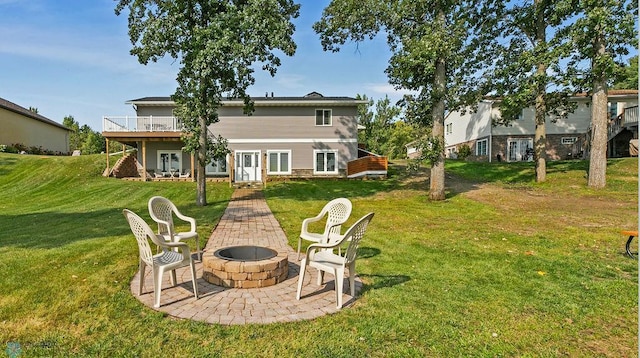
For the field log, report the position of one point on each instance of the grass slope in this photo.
(479, 274)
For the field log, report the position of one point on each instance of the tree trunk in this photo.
(437, 168)
(599, 119)
(201, 191)
(540, 136)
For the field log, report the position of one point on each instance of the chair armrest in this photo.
(188, 219)
(184, 248)
(307, 221)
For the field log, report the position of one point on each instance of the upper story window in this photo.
(449, 128)
(323, 117)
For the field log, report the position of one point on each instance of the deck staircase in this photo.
(628, 117)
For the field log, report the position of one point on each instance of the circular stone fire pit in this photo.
(245, 267)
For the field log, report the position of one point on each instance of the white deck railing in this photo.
(141, 124)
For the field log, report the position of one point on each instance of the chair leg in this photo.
(193, 279)
(320, 277)
(157, 286)
(303, 265)
(339, 273)
(174, 281)
(352, 278)
(198, 248)
(142, 267)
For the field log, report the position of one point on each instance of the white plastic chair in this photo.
(166, 260)
(162, 211)
(322, 257)
(337, 212)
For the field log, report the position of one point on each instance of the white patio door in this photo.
(520, 149)
(248, 166)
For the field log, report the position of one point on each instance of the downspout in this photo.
(490, 151)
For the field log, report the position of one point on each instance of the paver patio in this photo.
(246, 221)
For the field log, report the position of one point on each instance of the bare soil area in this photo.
(561, 208)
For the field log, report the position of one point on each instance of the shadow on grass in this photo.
(367, 252)
(382, 281)
(46, 230)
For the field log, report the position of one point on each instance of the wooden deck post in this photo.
(107, 153)
(144, 159)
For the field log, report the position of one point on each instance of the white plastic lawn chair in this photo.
(337, 212)
(162, 211)
(166, 260)
(322, 257)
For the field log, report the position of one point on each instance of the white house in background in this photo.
(566, 138)
(293, 137)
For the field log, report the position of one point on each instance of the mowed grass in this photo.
(462, 277)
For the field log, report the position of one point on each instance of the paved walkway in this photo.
(246, 221)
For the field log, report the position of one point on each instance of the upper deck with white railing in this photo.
(141, 124)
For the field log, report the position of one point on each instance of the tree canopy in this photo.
(217, 43)
(436, 53)
(602, 33)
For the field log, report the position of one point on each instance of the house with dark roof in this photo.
(22, 126)
(566, 138)
(285, 137)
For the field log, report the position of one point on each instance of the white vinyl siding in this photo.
(279, 162)
(325, 162)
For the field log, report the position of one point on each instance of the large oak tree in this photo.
(602, 34)
(528, 64)
(217, 43)
(437, 53)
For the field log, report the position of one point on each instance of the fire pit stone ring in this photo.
(245, 267)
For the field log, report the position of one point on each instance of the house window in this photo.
(169, 160)
(449, 128)
(569, 140)
(613, 109)
(325, 162)
(481, 147)
(217, 166)
(279, 162)
(323, 117)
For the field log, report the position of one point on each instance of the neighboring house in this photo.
(310, 136)
(22, 126)
(566, 138)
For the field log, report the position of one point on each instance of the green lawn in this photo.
(479, 274)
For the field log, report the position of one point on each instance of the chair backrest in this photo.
(355, 233)
(338, 211)
(162, 209)
(142, 232)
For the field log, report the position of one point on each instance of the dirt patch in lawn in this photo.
(561, 208)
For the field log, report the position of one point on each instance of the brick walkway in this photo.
(246, 221)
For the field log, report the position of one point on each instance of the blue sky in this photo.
(71, 57)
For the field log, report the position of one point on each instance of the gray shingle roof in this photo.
(313, 96)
